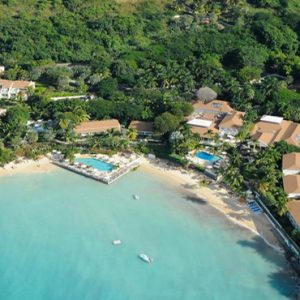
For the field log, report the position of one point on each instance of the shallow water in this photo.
(56, 232)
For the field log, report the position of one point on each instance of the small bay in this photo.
(57, 230)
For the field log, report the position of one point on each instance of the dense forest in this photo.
(143, 58)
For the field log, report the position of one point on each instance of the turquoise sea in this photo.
(57, 229)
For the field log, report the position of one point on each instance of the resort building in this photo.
(293, 213)
(143, 128)
(11, 89)
(204, 126)
(271, 129)
(217, 117)
(231, 124)
(95, 127)
(214, 107)
(291, 163)
(291, 185)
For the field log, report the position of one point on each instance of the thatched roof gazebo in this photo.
(206, 94)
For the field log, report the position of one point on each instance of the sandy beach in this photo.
(27, 166)
(188, 183)
(219, 198)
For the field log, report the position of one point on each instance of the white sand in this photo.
(219, 198)
(27, 166)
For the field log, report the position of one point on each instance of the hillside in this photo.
(170, 48)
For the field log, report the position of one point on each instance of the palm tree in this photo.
(132, 134)
(281, 201)
(80, 115)
(236, 157)
(232, 176)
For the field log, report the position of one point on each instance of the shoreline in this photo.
(27, 166)
(218, 198)
(187, 183)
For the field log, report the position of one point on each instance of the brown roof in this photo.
(267, 132)
(291, 184)
(142, 126)
(291, 161)
(202, 131)
(294, 209)
(219, 106)
(97, 126)
(233, 120)
(18, 84)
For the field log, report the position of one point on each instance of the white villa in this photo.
(291, 179)
(216, 117)
(96, 127)
(11, 89)
(271, 129)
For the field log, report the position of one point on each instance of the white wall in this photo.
(290, 172)
(294, 195)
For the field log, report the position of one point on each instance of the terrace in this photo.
(99, 167)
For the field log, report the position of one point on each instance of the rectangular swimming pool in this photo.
(206, 156)
(96, 164)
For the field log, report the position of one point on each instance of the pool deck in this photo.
(104, 177)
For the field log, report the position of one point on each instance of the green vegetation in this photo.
(260, 170)
(143, 58)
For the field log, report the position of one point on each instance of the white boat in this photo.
(146, 258)
(136, 197)
(117, 242)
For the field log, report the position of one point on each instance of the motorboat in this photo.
(117, 242)
(146, 258)
(136, 197)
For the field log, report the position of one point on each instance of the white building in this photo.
(11, 89)
(2, 69)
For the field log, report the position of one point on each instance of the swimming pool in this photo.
(206, 156)
(96, 164)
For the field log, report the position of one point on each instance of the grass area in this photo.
(286, 95)
(42, 89)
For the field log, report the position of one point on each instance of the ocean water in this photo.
(57, 229)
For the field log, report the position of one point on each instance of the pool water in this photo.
(206, 156)
(96, 164)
